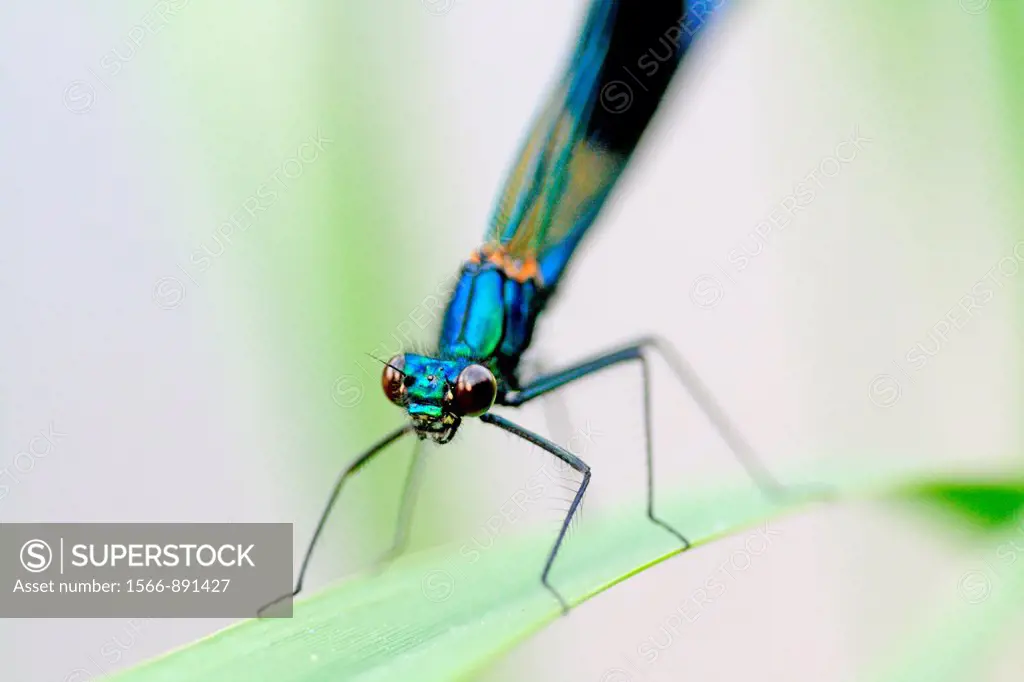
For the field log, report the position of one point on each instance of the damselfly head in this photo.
(437, 394)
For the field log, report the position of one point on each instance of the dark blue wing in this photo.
(582, 139)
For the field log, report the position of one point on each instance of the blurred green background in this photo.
(220, 209)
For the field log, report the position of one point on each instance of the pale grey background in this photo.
(158, 409)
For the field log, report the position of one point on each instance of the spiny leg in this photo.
(410, 492)
(559, 425)
(730, 433)
(549, 383)
(352, 468)
(567, 457)
(691, 382)
(755, 468)
(649, 448)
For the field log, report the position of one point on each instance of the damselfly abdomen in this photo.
(581, 141)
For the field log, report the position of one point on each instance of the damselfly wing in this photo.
(576, 150)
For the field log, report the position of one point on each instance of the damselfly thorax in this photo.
(580, 142)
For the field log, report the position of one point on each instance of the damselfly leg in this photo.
(352, 468)
(757, 471)
(410, 491)
(558, 422)
(567, 457)
(556, 417)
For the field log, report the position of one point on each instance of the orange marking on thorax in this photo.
(519, 269)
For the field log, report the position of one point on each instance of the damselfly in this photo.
(626, 56)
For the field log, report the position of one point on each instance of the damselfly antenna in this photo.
(387, 364)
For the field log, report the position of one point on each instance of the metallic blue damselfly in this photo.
(582, 139)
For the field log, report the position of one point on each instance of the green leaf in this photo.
(988, 505)
(445, 614)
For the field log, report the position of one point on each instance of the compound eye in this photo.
(475, 390)
(392, 380)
